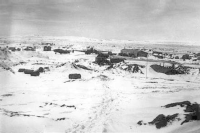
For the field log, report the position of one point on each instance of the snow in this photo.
(106, 101)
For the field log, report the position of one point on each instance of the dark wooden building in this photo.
(133, 53)
(47, 48)
(142, 54)
(102, 59)
(29, 48)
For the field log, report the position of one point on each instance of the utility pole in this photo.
(146, 66)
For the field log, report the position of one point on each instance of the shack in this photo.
(29, 48)
(61, 51)
(133, 53)
(14, 49)
(102, 59)
(129, 52)
(47, 48)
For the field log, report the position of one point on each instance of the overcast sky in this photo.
(162, 20)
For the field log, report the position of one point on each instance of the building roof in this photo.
(157, 52)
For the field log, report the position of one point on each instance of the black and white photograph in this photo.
(99, 66)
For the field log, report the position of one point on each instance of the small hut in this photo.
(61, 51)
(47, 48)
(129, 52)
(133, 53)
(29, 48)
(74, 76)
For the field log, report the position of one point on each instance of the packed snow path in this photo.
(100, 114)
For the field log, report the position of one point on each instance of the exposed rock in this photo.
(195, 115)
(162, 120)
(192, 108)
(190, 117)
(177, 103)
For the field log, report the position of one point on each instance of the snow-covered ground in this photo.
(102, 101)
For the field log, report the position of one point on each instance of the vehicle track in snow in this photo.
(100, 114)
